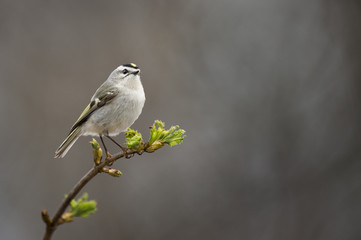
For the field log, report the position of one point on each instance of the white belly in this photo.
(116, 116)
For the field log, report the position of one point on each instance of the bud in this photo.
(97, 152)
(66, 217)
(81, 208)
(45, 216)
(133, 139)
(154, 146)
(112, 172)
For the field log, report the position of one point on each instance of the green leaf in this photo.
(175, 138)
(133, 139)
(159, 136)
(82, 207)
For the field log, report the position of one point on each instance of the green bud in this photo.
(66, 217)
(94, 143)
(172, 136)
(81, 208)
(133, 139)
(112, 172)
(154, 146)
(97, 152)
(45, 216)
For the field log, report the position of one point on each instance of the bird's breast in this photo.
(116, 116)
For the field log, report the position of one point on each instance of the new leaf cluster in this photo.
(158, 137)
(82, 207)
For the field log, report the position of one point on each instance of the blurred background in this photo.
(269, 93)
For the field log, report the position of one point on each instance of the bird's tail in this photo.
(68, 143)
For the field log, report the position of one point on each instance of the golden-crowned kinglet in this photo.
(114, 107)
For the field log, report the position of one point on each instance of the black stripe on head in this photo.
(131, 65)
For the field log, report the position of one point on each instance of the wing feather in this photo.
(99, 101)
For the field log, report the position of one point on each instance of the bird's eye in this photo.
(125, 71)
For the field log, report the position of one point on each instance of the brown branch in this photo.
(52, 224)
(159, 137)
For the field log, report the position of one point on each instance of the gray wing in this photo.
(100, 99)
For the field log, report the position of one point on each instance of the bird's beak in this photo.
(136, 72)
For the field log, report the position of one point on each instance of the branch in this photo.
(57, 219)
(158, 137)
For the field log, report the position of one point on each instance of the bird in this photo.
(114, 107)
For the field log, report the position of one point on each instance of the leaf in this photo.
(133, 139)
(159, 136)
(82, 207)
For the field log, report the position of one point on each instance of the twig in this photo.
(158, 138)
(52, 224)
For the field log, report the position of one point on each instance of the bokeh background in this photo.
(268, 91)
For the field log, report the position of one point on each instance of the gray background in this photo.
(268, 91)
